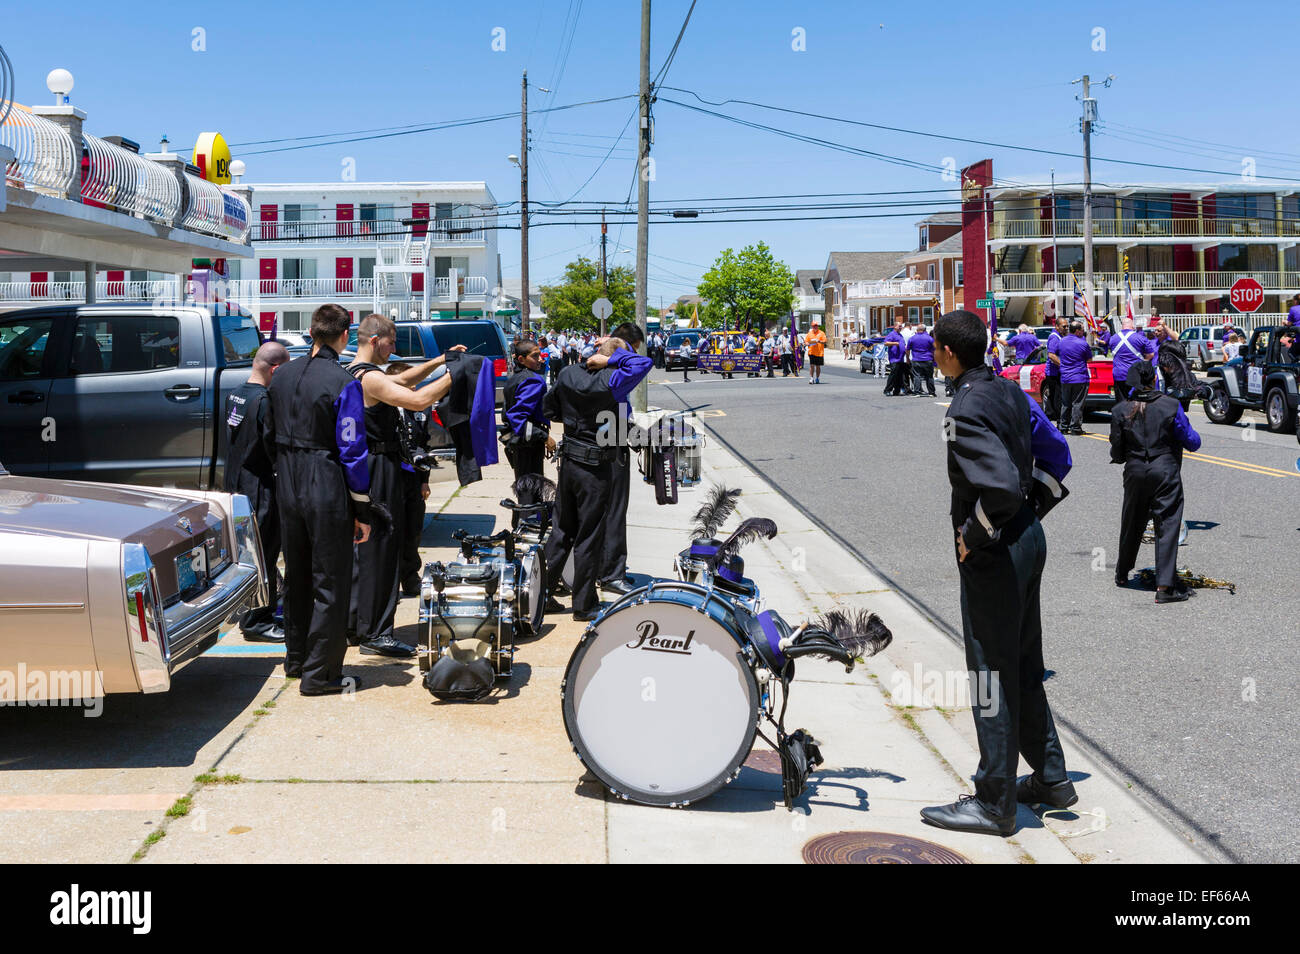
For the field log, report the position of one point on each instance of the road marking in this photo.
(943, 403)
(713, 413)
(143, 802)
(242, 650)
(1221, 461)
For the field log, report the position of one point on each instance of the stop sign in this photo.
(1246, 294)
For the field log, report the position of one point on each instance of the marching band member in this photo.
(529, 432)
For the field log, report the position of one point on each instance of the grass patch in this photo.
(180, 808)
(268, 704)
(261, 712)
(211, 778)
(152, 839)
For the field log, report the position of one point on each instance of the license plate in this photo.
(191, 571)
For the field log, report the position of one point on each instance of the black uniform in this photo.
(316, 432)
(524, 419)
(1148, 433)
(379, 557)
(1005, 461)
(584, 510)
(413, 480)
(249, 472)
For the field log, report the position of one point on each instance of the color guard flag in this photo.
(1081, 306)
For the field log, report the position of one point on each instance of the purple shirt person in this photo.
(1293, 314)
(1053, 348)
(1025, 344)
(921, 345)
(1074, 353)
(897, 345)
(1127, 347)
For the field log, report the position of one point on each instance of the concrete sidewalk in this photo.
(389, 774)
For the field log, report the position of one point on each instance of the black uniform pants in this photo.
(1003, 634)
(787, 365)
(581, 499)
(1152, 489)
(526, 460)
(316, 534)
(1073, 395)
(923, 372)
(410, 565)
(378, 558)
(897, 381)
(613, 552)
(262, 497)
(1052, 398)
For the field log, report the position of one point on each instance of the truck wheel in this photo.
(1278, 412)
(1219, 409)
(1200, 361)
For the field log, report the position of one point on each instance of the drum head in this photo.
(659, 702)
(532, 586)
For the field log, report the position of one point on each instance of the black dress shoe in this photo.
(353, 638)
(1172, 596)
(1121, 580)
(586, 617)
(621, 586)
(273, 635)
(411, 587)
(553, 605)
(335, 687)
(968, 814)
(387, 646)
(1031, 791)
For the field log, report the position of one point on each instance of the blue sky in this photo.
(1211, 73)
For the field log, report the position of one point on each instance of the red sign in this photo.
(1246, 294)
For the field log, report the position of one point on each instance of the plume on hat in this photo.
(749, 531)
(539, 487)
(718, 505)
(861, 632)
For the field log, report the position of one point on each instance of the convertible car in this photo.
(125, 583)
(1032, 377)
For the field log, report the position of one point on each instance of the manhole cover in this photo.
(764, 760)
(877, 848)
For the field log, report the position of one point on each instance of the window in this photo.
(22, 348)
(924, 243)
(929, 272)
(298, 268)
(961, 277)
(239, 337)
(365, 268)
(928, 312)
(408, 342)
(122, 345)
(1068, 257)
(442, 266)
(913, 314)
(292, 321)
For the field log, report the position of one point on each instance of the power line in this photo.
(663, 70)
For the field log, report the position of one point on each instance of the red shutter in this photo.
(419, 210)
(266, 272)
(417, 282)
(266, 321)
(343, 276)
(39, 287)
(343, 219)
(268, 216)
(116, 288)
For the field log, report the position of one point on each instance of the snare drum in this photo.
(474, 611)
(661, 698)
(529, 574)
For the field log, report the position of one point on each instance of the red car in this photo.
(1031, 374)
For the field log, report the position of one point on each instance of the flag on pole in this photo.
(1128, 292)
(995, 361)
(1081, 306)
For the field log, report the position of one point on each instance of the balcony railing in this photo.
(894, 288)
(323, 288)
(807, 303)
(76, 291)
(366, 231)
(1173, 229)
(1215, 282)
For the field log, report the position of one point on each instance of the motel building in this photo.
(1186, 245)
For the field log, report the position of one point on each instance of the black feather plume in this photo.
(861, 632)
(750, 530)
(718, 505)
(541, 488)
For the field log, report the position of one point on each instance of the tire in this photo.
(1219, 409)
(1278, 412)
(1200, 362)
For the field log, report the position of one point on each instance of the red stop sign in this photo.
(1247, 294)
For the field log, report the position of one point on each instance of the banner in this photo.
(719, 363)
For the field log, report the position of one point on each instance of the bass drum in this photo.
(660, 698)
(531, 598)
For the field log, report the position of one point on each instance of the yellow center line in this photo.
(1222, 462)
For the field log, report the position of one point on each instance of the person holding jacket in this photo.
(1148, 434)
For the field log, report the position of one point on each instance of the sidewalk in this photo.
(391, 775)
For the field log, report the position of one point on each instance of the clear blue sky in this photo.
(1212, 73)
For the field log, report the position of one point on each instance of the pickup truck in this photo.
(129, 393)
(1265, 380)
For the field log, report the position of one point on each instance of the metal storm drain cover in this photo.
(877, 848)
(764, 760)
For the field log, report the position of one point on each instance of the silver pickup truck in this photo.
(108, 588)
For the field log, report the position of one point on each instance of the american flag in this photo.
(1081, 306)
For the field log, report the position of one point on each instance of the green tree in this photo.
(568, 304)
(750, 288)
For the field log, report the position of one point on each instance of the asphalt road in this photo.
(1196, 702)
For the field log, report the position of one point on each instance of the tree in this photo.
(750, 289)
(568, 305)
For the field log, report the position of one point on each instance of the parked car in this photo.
(1204, 344)
(1267, 379)
(124, 392)
(418, 340)
(673, 354)
(129, 583)
(1033, 373)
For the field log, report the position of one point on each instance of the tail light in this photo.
(498, 367)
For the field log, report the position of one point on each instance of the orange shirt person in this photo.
(816, 342)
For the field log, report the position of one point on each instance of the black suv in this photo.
(1266, 380)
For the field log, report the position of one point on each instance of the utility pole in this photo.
(1089, 117)
(639, 397)
(604, 272)
(523, 209)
